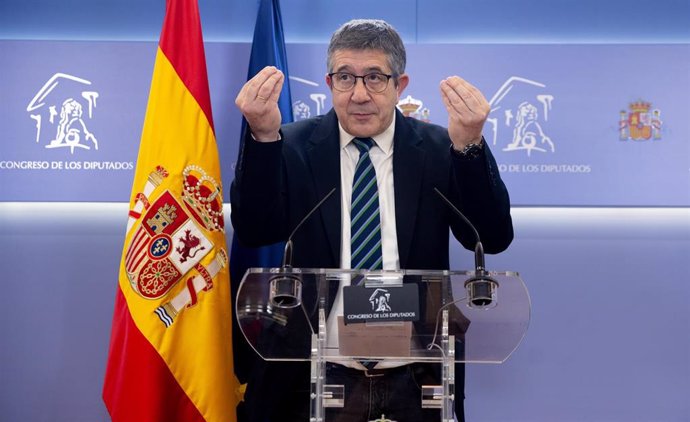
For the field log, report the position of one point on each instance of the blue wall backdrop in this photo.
(602, 214)
(552, 135)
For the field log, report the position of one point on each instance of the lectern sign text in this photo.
(381, 303)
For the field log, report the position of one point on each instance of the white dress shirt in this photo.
(381, 155)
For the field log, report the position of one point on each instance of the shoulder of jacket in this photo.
(428, 132)
(302, 126)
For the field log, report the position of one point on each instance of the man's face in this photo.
(362, 113)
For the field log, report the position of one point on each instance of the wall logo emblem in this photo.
(519, 116)
(61, 110)
(640, 122)
(310, 101)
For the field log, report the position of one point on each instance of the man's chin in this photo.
(362, 130)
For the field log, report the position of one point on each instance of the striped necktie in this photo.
(365, 230)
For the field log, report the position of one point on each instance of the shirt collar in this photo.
(384, 140)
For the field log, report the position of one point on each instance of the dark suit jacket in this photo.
(277, 184)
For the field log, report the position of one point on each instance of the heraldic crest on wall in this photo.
(172, 239)
(640, 123)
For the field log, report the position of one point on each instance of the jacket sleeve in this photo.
(257, 195)
(484, 200)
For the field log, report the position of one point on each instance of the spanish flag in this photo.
(170, 353)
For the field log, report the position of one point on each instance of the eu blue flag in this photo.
(268, 49)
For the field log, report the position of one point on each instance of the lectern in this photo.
(391, 317)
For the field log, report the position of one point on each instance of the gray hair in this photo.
(369, 34)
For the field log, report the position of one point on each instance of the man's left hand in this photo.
(467, 111)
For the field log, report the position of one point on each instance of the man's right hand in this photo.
(258, 103)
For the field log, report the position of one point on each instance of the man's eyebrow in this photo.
(348, 69)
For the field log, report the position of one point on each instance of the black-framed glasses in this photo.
(374, 82)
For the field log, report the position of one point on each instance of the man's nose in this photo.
(359, 92)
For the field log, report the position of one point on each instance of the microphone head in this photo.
(285, 291)
(481, 291)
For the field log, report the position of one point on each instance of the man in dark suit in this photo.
(282, 172)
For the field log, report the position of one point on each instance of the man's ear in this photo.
(403, 80)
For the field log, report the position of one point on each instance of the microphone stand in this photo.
(286, 289)
(481, 289)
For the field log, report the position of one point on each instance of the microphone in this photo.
(286, 289)
(287, 254)
(481, 289)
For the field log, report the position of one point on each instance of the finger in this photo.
(478, 103)
(476, 93)
(275, 84)
(453, 98)
(270, 88)
(456, 107)
(460, 95)
(261, 84)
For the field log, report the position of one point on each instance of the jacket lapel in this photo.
(324, 160)
(408, 170)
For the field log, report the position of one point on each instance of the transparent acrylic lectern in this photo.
(392, 317)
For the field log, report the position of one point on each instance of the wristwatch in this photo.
(471, 150)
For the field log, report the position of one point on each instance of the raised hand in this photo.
(258, 103)
(467, 111)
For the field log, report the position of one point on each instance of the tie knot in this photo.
(363, 144)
